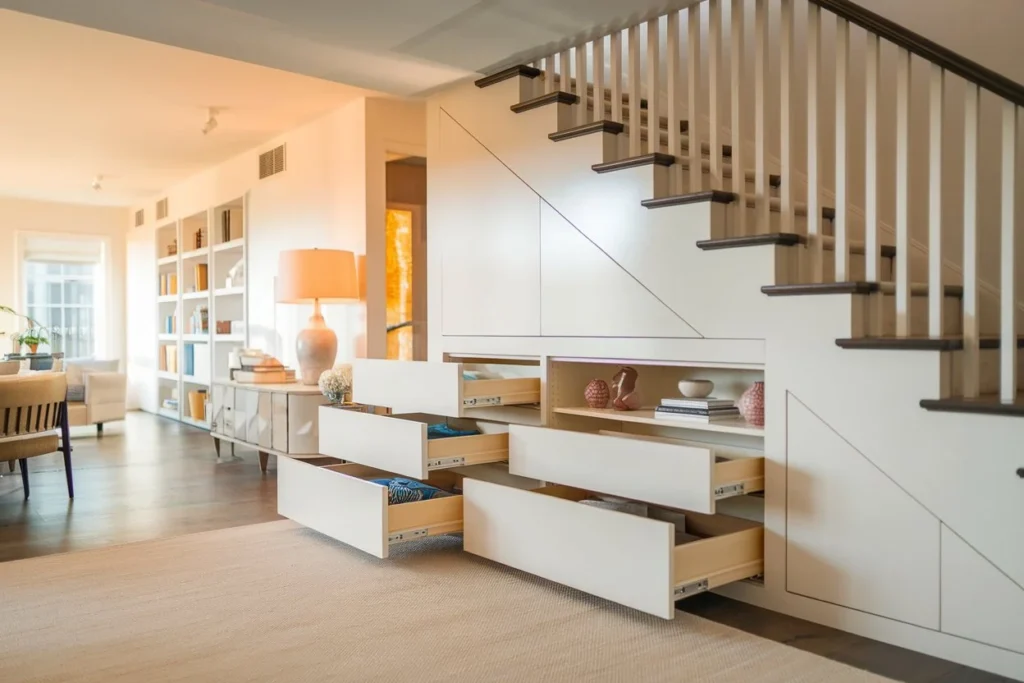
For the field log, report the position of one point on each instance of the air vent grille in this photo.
(272, 162)
(140, 217)
(161, 209)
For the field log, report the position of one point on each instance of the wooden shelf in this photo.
(228, 246)
(195, 337)
(195, 253)
(191, 379)
(167, 298)
(164, 374)
(229, 291)
(646, 416)
(167, 337)
(167, 260)
(229, 338)
(205, 294)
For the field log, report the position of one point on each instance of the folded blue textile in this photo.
(443, 431)
(401, 490)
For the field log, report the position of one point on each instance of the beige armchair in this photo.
(31, 424)
(97, 392)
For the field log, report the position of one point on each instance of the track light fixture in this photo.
(211, 121)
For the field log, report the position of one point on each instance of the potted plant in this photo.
(32, 338)
(11, 311)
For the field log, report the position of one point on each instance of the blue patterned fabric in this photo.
(401, 490)
(443, 431)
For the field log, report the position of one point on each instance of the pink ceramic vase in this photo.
(751, 404)
(597, 393)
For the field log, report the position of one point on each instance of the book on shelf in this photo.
(706, 417)
(264, 376)
(709, 402)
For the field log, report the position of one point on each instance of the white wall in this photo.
(331, 195)
(24, 217)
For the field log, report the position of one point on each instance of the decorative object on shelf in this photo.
(199, 238)
(223, 327)
(624, 384)
(236, 275)
(202, 280)
(197, 405)
(751, 404)
(316, 275)
(696, 388)
(336, 384)
(172, 248)
(597, 393)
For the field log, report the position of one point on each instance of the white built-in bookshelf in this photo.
(201, 305)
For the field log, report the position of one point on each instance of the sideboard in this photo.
(274, 419)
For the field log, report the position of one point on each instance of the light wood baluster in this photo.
(714, 72)
(1008, 282)
(693, 109)
(549, 74)
(673, 94)
(872, 249)
(739, 177)
(565, 71)
(653, 88)
(633, 86)
(971, 323)
(761, 196)
(814, 242)
(935, 291)
(597, 71)
(615, 73)
(842, 251)
(902, 274)
(581, 84)
(788, 219)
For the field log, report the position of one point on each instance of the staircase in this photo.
(752, 210)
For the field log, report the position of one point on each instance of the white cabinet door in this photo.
(279, 422)
(303, 434)
(223, 402)
(263, 420)
(244, 398)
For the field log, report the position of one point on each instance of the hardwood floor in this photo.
(151, 478)
(145, 478)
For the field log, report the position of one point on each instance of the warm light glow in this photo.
(399, 283)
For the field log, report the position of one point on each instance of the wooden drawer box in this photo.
(337, 500)
(399, 443)
(627, 559)
(435, 388)
(661, 471)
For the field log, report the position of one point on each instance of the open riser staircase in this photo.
(879, 349)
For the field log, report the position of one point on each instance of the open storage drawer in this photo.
(656, 470)
(399, 443)
(627, 559)
(339, 501)
(435, 388)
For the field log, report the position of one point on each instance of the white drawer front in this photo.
(337, 501)
(435, 388)
(279, 422)
(400, 444)
(621, 557)
(666, 474)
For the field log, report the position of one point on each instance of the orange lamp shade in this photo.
(306, 275)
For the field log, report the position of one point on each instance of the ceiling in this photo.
(78, 103)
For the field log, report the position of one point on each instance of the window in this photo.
(62, 297)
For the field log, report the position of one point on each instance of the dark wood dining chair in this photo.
(33, 421)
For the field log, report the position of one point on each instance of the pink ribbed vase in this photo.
(751, 404)
(597, 393)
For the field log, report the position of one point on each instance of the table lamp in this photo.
(315, 276)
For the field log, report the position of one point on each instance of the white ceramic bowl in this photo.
(696, 388)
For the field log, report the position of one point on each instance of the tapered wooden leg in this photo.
(216, 445)
(24, 475)
(67, 473)
(264, 458)
(10, 465)
(99, 429)
(65, 447)
(232, 449)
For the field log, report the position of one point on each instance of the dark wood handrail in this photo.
(922, 47)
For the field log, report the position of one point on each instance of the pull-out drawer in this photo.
(661, 471)
(627, 559)
(339, 501)
(435, 388)
(399, 443)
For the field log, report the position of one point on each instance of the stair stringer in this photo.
(656, 247)
(960, 467)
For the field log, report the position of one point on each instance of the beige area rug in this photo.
(277, 602)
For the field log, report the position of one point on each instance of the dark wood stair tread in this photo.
(556, 97)
(505, 74)
(987, 404)
(655, 159)
(950, 343)
(774, 203)
(783, 239)
(854, 287)
(603, 126)
(717, 196)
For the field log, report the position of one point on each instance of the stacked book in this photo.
(704, 410)
(260, 368)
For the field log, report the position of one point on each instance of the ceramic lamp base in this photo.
(316, 349)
